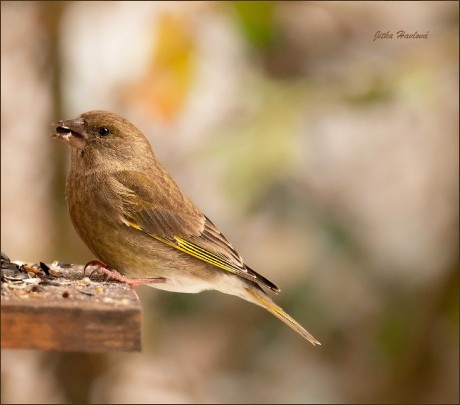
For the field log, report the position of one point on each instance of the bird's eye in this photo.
(103, 131)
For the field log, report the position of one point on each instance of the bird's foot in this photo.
(93, 263)
(114, 275)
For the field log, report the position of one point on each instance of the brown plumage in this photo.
(133, 216)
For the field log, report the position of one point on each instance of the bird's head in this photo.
(101, 136)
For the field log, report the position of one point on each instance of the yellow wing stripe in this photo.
(202, 254)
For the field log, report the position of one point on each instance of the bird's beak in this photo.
(73, 132)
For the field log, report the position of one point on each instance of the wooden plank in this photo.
(68, 312)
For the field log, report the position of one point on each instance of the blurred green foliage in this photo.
(256, 20)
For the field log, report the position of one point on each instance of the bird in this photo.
(141, 226)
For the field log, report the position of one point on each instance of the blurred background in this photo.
(329, 159)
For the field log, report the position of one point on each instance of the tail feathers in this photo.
(260, 298)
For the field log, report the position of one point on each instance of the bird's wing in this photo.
(157, 207)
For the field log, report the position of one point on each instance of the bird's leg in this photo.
(114, 275)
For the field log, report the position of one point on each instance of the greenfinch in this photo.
(132, 215)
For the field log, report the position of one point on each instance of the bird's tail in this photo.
(263, 300)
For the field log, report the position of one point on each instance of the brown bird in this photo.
(137, 221)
